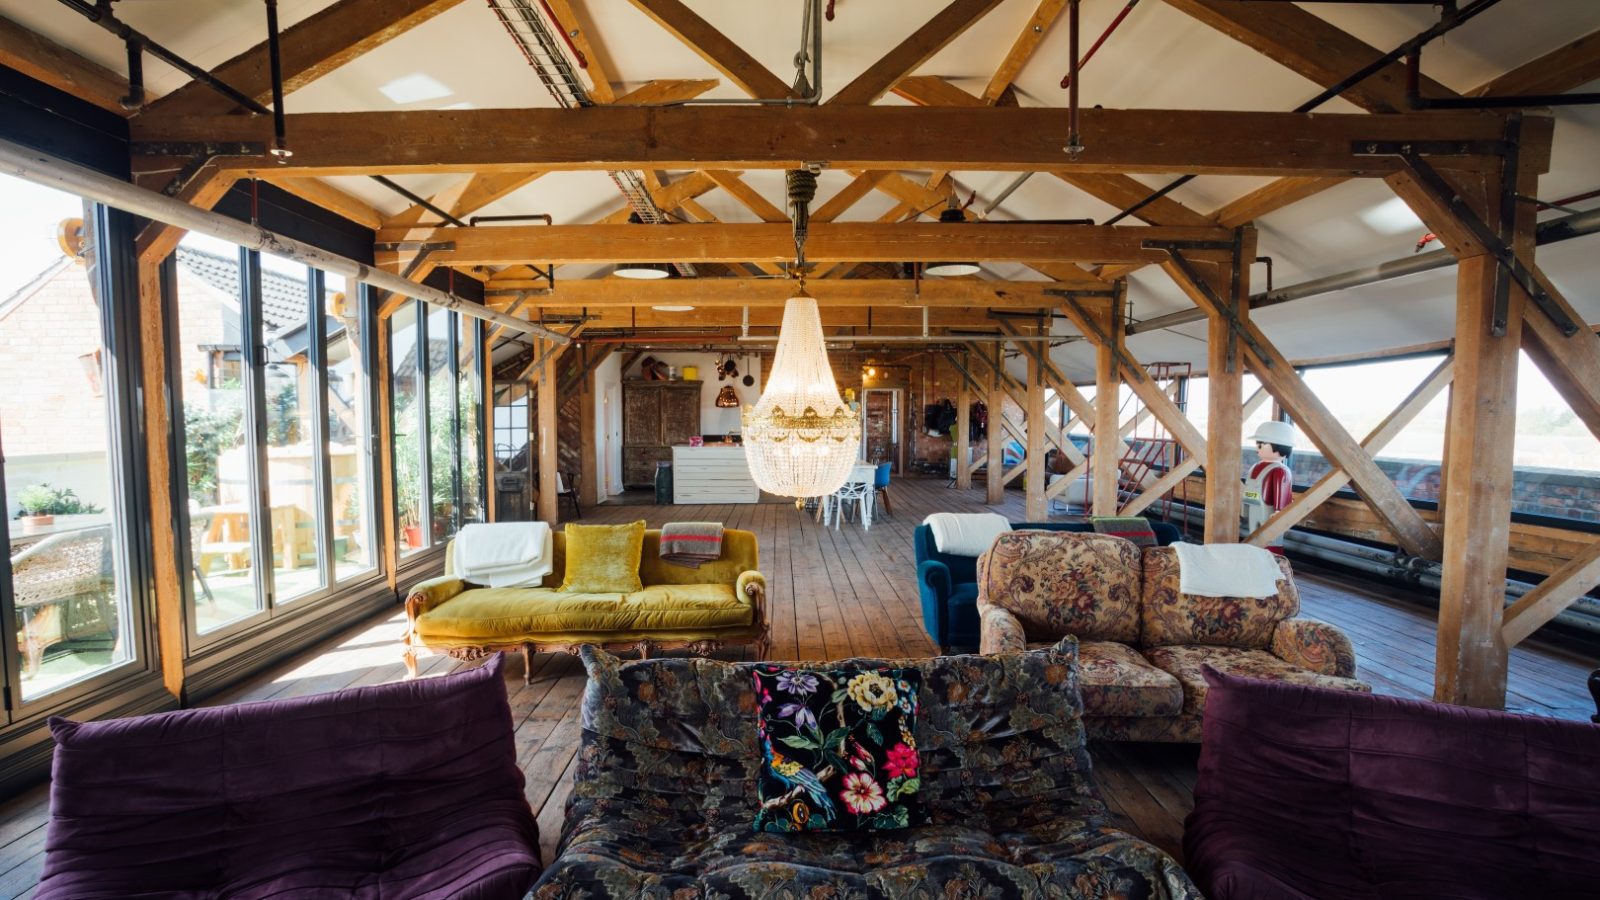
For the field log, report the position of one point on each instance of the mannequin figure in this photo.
(1269, 486)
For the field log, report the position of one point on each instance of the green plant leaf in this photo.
(800, 743)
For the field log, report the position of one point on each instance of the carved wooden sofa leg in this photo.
(410, 657)
(527, 663)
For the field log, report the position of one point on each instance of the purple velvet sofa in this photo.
(1321, 794)
(400, 790)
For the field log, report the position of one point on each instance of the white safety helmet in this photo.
(1274, 432)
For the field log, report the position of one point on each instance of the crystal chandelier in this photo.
(800, 438)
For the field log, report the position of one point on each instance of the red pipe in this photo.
(1430, 237)
(1066, 80)
(576, 53)
(659, 339)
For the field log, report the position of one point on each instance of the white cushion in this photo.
(966, 534)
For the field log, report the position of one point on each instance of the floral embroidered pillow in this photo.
(839, 749)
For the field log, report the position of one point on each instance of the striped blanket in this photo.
(691, 543)
(1134, 528)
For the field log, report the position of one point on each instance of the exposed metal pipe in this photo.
(1447, 22)
(1070, 77)
(418, 199)
(811, 95)
(926, 339)
(100, 13)
(1074, 138)
(525, 217)
(280, 146)
(1553, 231)
(31, 165)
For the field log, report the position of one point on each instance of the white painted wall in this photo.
(608, 427)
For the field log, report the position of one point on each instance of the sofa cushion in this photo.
(1118, 681)
(1173, 617)
(1306, 793)
(398, 790)
(1059, 583)
(603, 558)
(663, 795)
(489, 614)
(838, 749)
(1187, 665)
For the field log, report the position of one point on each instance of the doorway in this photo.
(880, 427)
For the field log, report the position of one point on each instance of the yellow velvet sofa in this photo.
(722, 602)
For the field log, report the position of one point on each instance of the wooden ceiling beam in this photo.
(311, 49)
(1569, 66)
(862, 184)
(325, 195)
(596, 66)
(42, 59)
(746, 195)
(479, 190)
(851, 137)
(887, 321)
(828, 242)
(882, 293)
(918, 48)
(1312, 47)
(715, 48)
(1028, 40)
(671, 196)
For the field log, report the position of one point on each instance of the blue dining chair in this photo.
(880, 484)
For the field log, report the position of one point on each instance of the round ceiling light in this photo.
(672, 308)
(641, 271)
(948, 269)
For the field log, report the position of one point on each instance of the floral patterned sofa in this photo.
(1142, 642)
(665, 793)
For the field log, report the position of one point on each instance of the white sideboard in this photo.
(712, 475)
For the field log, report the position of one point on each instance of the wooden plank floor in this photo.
(846, 592)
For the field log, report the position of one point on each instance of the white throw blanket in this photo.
(966, 534)
(505, 554)
(1227, 570)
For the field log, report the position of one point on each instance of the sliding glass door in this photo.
(72, 596)
(436, 374)
(277, 433)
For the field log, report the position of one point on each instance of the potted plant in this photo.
(41, 503)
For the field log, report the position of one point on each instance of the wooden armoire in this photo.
(655, 415)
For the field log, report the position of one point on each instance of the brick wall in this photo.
(52, 400)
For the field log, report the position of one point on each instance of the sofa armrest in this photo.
(1316, 646)
(430, 594)
(934, 587)
(753, 584)
(999, 631)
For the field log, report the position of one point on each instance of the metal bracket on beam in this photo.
(1135, 371)
(1229, 310)
(198, 156)
(425, 246)
(1430, 148)
(1429, 179)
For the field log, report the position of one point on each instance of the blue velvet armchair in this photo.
(948, 584)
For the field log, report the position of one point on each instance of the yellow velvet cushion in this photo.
(604, 558)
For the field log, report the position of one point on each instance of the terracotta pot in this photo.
(413, 536)
(36, 524)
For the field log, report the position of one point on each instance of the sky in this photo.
(29, 215)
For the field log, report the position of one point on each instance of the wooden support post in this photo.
(1224, 416)
(589, 487)
(994, 485)
(171, 633)
(1107, 392)
(1470, 666)
(549, 509)
(492, 508)
(385, 473)
(963, 446)
(1038, 424)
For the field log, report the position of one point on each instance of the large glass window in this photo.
(349, 429)
(272, 371)
(67, 358)
(436, 374)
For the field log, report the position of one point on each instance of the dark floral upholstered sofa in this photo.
(1142, 641)
(666, 793)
